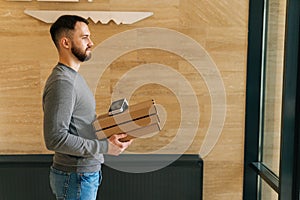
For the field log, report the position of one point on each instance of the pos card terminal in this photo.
(118, 106)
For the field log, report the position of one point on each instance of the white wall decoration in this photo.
(104, 17)
(59, 0)
(53, 0)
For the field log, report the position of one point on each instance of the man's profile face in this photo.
(81, 42)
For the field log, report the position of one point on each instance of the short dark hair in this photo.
(64, 24)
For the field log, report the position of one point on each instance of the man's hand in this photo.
(115, 147)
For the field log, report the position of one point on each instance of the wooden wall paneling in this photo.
(220, 27)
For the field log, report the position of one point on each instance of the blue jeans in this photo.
(73, 185)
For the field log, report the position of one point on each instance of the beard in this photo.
(80, 54)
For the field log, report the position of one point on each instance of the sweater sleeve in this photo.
(58, 104)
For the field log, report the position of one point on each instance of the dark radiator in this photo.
(26, 177)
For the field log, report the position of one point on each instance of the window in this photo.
(272, 81)
(272, 147)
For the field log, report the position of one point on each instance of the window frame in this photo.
(287, 183)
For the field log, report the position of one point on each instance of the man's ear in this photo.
(65, 42)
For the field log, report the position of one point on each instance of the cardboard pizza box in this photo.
(129, 127)
(134, 112)
(142, 132)
(138, 120)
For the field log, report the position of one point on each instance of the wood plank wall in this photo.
(219, 28)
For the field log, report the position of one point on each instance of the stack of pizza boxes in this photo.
(138, 120)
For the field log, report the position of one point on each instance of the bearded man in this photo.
(69, 110)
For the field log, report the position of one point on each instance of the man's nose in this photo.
(90, 44)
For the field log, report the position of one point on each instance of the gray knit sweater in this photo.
(69, 110)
